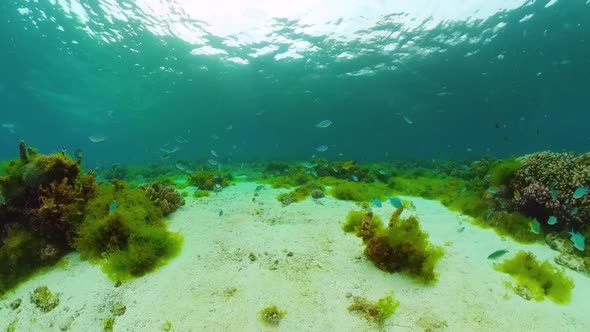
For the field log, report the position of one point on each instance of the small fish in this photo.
(355, 178)
(324, 124)
(113, 206)
(462, 190)
(498, 253)
(535, 226)
(213, 162)
(180, 166)
(395, 202)
(580, 192)
(321, 148)
(169, 150)
(493, 190)
(314, 173)
(406, 118)
(578, 240)
(461, 229)
(97, 138)
(214, 154)
(552, 220)
(259, 187)
(220, 212)
(307, 164)
(8, 125)
(573, 211)
(516, 194)
(553, 193)
(382, 172)
(376, 202)
(348, 165)
(241, 177)
(488, 214)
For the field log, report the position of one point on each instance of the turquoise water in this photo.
(251, 79)
(288, 165)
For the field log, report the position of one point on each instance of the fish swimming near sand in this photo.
(97, 138)
(376, 202)
(498, 253)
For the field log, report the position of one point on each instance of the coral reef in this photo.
(402, 246)
(374, 312)
(535, 279)
(544, 186)
(164, 197)
(43, 299)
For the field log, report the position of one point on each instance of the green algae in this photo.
(535, 279)
(44, 299)
(271, 315)
(376, 312)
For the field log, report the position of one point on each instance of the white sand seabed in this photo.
(192, 290)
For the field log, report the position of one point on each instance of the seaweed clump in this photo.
(130, 240)
(271, 315)
(208, 180)
(535, 279)
(402, 246)
(374, 312)
(43, 299)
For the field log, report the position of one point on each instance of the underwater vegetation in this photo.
(271, 315)
(50, 208)
(129, 241)
(210, 180)
(536, 280)
(401, 247)
(301, 193)
(44, 299)
(374, 312)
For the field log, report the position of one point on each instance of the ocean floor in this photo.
(259, 253)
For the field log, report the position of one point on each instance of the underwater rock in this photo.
(287, 200)
(165, 197)
(67, 323)
(559, 243)
(573, 262)
(44, 299)
(118, 309)
(317, 194)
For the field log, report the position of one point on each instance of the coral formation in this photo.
(402, 246)
(535, 279)
(164, 197)
(545, 184)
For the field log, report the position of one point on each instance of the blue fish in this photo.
(553, 194)
(259, 187)
(307, 164)
(220, 212)
(376, 201)
(578, 240)
(321, 148)
(113, 206)
(573, 211)
(355, 178)
(535, 226)
(324, 124)
(580, 192)
(395, 202)
(493, 190)
(382, 172)
(552, 220)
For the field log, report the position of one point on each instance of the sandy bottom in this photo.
(215, 286)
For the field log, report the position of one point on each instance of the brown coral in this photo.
(164, 197)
